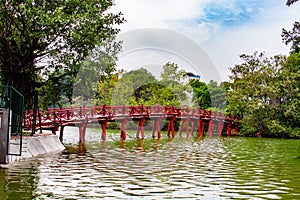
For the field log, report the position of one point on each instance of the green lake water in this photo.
(193, 168)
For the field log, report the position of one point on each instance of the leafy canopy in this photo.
(141, 87)
(42, 42)
(264, 93)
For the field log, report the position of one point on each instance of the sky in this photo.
(205, 37)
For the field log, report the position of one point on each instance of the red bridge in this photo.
(53, 119)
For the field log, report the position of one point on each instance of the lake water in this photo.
(193, 168)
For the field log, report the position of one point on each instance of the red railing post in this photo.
(158, 128)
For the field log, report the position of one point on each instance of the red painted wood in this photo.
(82, 129)
(123, 129)
(158, 128)
(141, 128)
(220, 128)
(211, 128)
(52, 119)
(228, 127)
(180, 128)
(103, 127)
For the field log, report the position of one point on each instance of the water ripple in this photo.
(209, 168)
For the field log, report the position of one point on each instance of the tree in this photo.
(264, 92)
(105, 90)
(255, 95)
(128, 88)
(173, 78)
(171, 75)
(141, 87)
(155, 93)
(43, 42)
(97, 72)
(201, 96)
(217, 95)
(289, 83)
(292, 37)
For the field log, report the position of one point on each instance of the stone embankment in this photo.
(33, 146)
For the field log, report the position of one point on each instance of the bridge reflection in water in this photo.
(58, 119)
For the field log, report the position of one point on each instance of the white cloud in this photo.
(263, 35)
(224, 37)
(157, 13)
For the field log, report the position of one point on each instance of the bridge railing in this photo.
(54, 116)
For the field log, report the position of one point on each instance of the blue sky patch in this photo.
(234, 12)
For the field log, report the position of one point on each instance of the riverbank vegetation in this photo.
(264, 93)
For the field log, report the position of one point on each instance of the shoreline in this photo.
(33, 146)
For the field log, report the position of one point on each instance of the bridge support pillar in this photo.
(188, 131)
(103, 127)
(123, 129)
(192, 128)
(201, 128)
(171, 127)
(4, 135)
(220, 128)
(187, 121)
(141, 127)
(55, 128)
(61, 133)
(228, 129)
(156, 126)
(82, 129)
(180, 128)
(211, 128)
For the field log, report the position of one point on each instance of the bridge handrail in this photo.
(103, 112)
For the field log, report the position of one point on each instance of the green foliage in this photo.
(292, 37)
(209, 95)
(173, 78)
(104, 90)
(217, 95)
(141, 87)
(96, 73)
(289, 85)
(201, 96)
(264, 93)
(128, 88)
(43, 42)
(171, 75)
